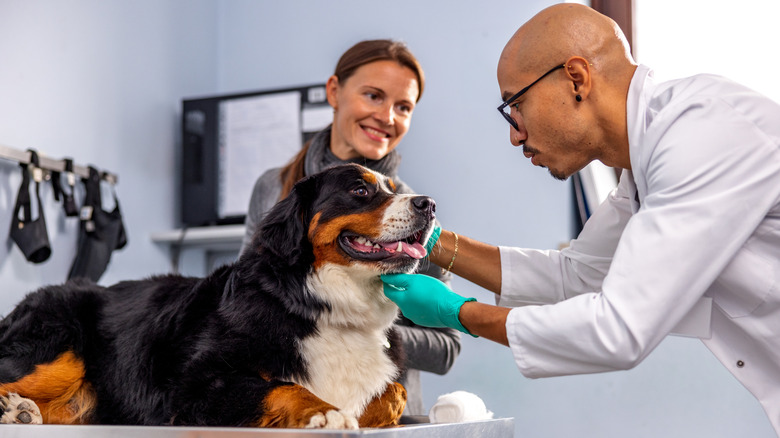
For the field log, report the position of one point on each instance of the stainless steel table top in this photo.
(497, 428)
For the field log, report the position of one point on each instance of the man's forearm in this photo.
(475, 261)
(485, 321)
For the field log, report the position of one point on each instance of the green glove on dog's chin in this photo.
(425, 300)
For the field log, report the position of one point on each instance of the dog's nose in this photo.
(424, 204)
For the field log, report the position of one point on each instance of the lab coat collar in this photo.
(638, 117)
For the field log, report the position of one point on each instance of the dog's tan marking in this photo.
(291, 406)
(324, 236)
(370, 178)
(386, 409)
(59, 390)
(313, 224)
(391, 183)
(367, 224)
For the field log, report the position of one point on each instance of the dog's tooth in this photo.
(400, 247)
(376, 246)
(361, 240)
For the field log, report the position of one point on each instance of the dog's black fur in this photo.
(197, 351)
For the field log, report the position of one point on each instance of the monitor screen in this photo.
(230, 140)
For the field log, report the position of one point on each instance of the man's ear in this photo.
(579, 71)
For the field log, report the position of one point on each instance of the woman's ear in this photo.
(579, 71)
(332, 89)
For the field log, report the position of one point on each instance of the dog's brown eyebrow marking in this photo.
(369, 178)
(392, 184)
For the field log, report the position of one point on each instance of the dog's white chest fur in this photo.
(347, 360)
(347, 369)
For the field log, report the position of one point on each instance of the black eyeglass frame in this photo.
(517, 95)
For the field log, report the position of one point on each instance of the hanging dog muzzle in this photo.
(68, 198)
(30, 235)
(100, 232)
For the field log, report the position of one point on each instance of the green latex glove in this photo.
(433, 239)
(425, 300)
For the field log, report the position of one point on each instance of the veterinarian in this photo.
(373, 92)
(696, 215)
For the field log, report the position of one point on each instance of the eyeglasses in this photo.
(520, 93)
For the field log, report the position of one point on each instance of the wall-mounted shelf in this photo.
(217, 237)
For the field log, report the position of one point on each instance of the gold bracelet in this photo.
(454, 254)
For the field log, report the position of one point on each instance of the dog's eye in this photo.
(360, 191)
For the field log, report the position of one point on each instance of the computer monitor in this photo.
(229, 140)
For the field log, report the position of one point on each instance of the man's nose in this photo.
(518, 136)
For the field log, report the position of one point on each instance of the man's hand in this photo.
(425, 300)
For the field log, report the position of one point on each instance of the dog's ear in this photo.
(284, 230)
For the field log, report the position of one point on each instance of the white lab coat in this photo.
(698, 215)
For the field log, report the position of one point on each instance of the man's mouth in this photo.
(362, 248)
(530, 153)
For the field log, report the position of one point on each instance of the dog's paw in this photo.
(19, 410)
(332, 419)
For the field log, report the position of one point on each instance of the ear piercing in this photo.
(589, 64)
(578, 97)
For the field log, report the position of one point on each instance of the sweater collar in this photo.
(319, 157)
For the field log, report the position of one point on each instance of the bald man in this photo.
(695, 218)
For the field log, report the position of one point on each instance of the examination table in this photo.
(497, 428)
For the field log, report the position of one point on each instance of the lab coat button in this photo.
(740, 364)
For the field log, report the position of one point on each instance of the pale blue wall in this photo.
(102, 80)
(99, 81)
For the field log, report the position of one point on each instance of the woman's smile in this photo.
(375, 134)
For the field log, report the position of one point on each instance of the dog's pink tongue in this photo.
(413, 250)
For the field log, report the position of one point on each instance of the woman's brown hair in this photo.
(362, 53)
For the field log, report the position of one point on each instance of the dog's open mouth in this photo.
(362, 248)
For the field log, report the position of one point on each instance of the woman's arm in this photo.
(428, 349)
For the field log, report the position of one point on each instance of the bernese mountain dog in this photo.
(297, 333)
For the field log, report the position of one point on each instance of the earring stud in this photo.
(578, 98)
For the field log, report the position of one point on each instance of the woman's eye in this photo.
(362, 191)
(405, 109)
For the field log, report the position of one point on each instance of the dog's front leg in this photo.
(293, 406)
(385, 409)
(241, 400)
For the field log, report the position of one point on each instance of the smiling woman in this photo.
(373, 91)
(372, 109)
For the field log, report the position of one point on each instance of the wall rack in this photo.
(51, 164)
